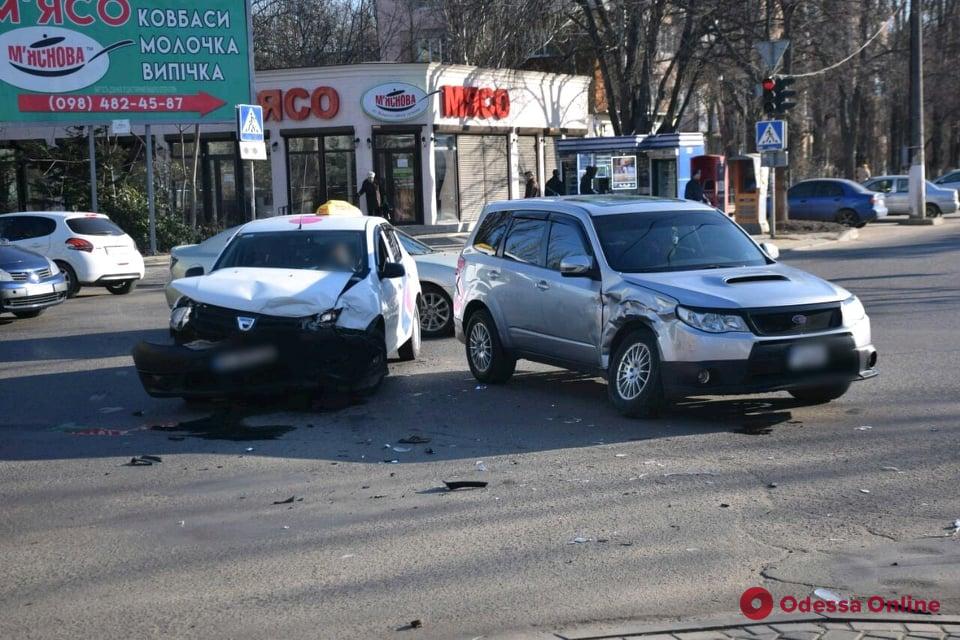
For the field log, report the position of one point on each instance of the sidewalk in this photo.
(789, 627)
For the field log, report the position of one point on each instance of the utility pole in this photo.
(918, 183)
(92, 146)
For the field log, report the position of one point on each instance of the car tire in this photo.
(820, 394)
(410, 350)
(633, 379)
(370, 386)
(73, 285)
(436, 312)
(33, 313)
(848, 218)
(933, 211)
(489, 361)
(122, 288)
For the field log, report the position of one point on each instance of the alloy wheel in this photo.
(481, 347)
(434, 311)
(633, 372)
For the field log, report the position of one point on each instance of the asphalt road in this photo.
(678, 514)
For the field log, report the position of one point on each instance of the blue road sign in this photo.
(771, 135)
(250, 123)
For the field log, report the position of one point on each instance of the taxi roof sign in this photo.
(338, 208)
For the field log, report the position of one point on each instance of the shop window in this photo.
(320, 168)
(445, 159)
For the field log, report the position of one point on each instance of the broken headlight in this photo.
(712, 321)
(180, 315)
(321, 320)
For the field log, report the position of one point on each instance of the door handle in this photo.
(543, 285)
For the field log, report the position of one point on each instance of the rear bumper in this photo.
(30, 296)
(766, 369)
(100, 269)
(336, 357)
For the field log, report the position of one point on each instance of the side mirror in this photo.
(193, 272)
(772, 250)
(576, 266)
(392, 270)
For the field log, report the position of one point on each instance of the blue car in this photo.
(29, 282)
(835, 200)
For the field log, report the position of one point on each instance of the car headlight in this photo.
(54, 269)
(325, 319)
(712, 321)
(180, 315)
(4, 276)
(853, 311)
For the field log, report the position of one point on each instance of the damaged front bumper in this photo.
(346, 359)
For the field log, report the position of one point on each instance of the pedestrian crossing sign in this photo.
(250, 123)
(771, 135)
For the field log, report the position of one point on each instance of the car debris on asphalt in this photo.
(143, 461)
(454, 485)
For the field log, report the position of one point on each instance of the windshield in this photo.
(314, 250)
(94, 227)
(413, 247)
(674, 241)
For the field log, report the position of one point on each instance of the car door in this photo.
(521, 275)
(827, 200)
(391, 291)
(799, 200)
(898, 200)
(409, 283)
(29, 232)
(571, 309)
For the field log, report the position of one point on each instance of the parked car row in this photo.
(664, 298)
(47, 256)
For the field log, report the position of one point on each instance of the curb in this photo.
(604, 631)
(160, 260)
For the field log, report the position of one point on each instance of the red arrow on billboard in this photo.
(200, 102)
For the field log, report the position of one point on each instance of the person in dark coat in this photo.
(586, 182)
(370, 189)
(554, 185)
(531, 189)
(694, 190)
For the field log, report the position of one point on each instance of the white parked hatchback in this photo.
(90, 250)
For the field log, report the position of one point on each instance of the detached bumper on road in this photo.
(341, 358)
(30, 296)
(767, 369)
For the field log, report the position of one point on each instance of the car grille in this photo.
(23, 276)
(216, 323)
(32, 300)
(795, 320)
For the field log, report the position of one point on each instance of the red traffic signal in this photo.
(768, 84)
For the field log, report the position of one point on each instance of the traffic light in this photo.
(769, 97)
(781, 94)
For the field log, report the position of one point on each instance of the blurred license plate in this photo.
(807, 356)
(243, 359)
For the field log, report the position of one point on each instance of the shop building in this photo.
(443, 140)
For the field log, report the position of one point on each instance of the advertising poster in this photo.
(624, 173)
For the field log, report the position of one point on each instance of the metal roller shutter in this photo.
(527, 151)
(484, 167)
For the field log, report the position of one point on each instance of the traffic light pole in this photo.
(772, 189)
(918, 165)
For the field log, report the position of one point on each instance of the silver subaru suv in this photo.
(665, 298)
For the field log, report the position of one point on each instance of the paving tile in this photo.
(924, 626)
(760, 629)
(784, 627)
(876, 634)
(877, 626)
(841, 634)
(923, 635)
(836, 625)
(802, 635)
(702, 635)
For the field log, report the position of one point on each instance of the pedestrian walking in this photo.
(370, 189)
(555, 185)
(531, 189)
(694, 189)
(586, 182)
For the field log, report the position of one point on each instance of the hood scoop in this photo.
(759, 277)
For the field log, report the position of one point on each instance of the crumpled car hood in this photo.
(713, 287)
(290, 293)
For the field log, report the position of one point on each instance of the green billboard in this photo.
(149, 61)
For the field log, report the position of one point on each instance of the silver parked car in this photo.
(665, 298)
(896, 190)
(949, 180)
(436, 269)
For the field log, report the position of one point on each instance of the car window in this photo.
(383, 251)
(802, 190)
(883, 186)
(94, 227)
(903, 184)
(394, 243)
(413, 246)
(829, 190)
(674, 241)
(26, 227)
(313, 250)
(525, 240)
(566, 239)
(491, 231)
